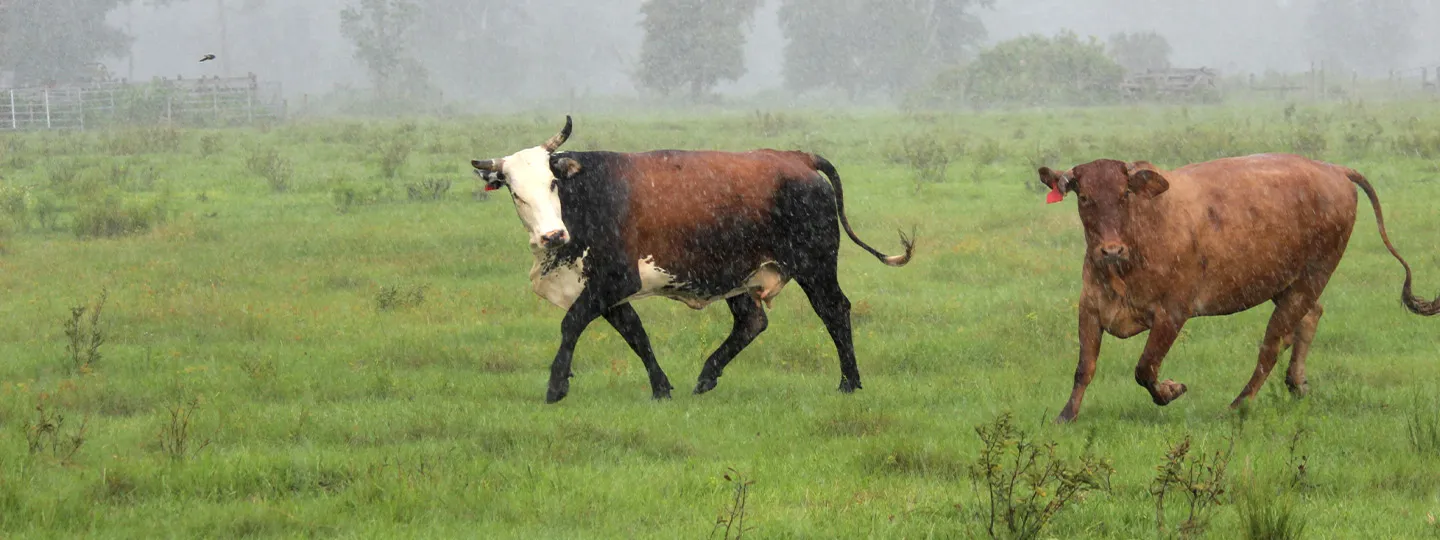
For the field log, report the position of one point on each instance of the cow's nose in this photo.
(555, 238)
(1115, 252)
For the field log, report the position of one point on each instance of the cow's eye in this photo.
(1084, 199)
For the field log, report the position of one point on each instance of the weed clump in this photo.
(85, 335)
(45, 433)
(1027, 483)
(267, 163)
(431, 189)
(1199, 478)
(176, 437)
(730, 522)
(393, 297)
(109, 215)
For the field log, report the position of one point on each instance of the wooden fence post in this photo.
(14, 122)
(47, 108)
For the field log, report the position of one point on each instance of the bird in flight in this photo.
(207, 57)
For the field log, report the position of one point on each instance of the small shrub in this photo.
(62, 175)
(395, 151)
(1027, 483)
(85, 335)
(210, 144)
(346, 197)
(431, 189)
(267, 163)
(927, 155)
(46, 210)
(109, 215)
(1199, 478)
(730, 522)
(1299, 461)
(14, 205)
(176, 437)
(392, 297)
(46, 433)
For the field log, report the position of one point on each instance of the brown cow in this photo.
(1210, 238)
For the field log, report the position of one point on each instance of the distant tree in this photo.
(1038, 70)
(383, 32)
(1365, 35)
(693, 44)
(45, 41)
(866, 45)
(1140, 51)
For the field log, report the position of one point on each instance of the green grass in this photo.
(318, 414)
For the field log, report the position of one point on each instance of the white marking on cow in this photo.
(532, 185)
(764, 284)
(562, 284)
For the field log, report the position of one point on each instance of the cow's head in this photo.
(1110, 192)
(533, 176)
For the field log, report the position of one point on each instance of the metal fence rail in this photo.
(214, 101)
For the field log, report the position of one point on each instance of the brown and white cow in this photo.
(608, 228)
(1210, 238)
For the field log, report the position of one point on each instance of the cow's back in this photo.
(1254, 223)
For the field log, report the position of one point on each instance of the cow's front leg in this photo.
(587, 307)
(627, 322)
(1090, 335)
(1163, 330)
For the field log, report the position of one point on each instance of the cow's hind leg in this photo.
(750, 321)
(627, 322)
(1304, 334)
(1163, 332)
(1291, 307)
(833, 307)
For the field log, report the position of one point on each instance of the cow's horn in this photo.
(485, 165)
(559, 138)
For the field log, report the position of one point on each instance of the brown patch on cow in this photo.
(677, 196)
(1210, 238)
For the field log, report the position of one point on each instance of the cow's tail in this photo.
(908, 241)
(1414, 304)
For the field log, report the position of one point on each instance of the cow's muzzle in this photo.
(1113, 253)
(554, 239)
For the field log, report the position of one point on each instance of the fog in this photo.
(526, 52)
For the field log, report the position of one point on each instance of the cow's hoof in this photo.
(849, 386)
(662, 391)
(1298, 389)
(705, 385)
(1168, 391)
(1066, 416)
(557, 393)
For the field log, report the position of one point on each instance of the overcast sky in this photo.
(299, 43)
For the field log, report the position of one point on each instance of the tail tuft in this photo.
(902, 260)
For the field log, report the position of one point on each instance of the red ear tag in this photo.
(489, 187)
(1054, 196)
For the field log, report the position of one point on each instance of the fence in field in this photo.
(203, 102)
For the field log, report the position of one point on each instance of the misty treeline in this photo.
(480, 51)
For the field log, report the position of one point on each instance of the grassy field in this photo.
(307, 334)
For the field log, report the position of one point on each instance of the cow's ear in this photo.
(1059, 183)
(565, 168)
(1145, 179)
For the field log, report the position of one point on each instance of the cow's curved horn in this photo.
(485, 165)
(559, 138)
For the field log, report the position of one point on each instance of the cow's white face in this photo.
(536, 193)
(534, 188)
